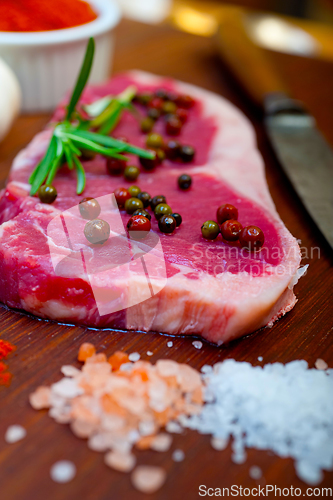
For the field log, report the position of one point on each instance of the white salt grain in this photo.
(219, 443)
(15, 433)
(134, 356)
(197, 344)
(178, 456)
(67, 388)
(161, 442)
(174, 427)
(70, 371)
(287, 409)
(122, 462)
(320, 364)
(149, 353)
(63, 471)
(255, 472)
(170, 343)
(260, 358)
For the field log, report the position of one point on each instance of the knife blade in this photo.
(301, 149)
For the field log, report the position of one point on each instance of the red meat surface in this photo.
(213, 288)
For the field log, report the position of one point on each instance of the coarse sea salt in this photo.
(178, 456)
(134, 356)
(284, 408)
(15, 433)
(170, 343)
(63, 471)
(197, 344)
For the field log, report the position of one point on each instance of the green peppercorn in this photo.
(143, 212)
(178, 218)
(160, 155)
(210, 230)
(154, 141)
(134, 191)
(167, 224)
(145, 198)
(169, 108)
(157, 200)
(131, 173)
(47, 194)
(133, 204)
(147, 125)
(184, 181)
(144, 98)
(162, 209)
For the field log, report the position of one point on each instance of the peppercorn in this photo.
(160, 155)
(156, 103)
(138, 227)
(186, 153)
(154, 141)
(161, 93)
(145, 198)
(210, 230)
(251, 238)
(131, 173)
(133, 204)
(185, 101)
(47, 193)
(154, 114)
(97, 231)
(178, 218)
(231, 229)
(87, 155)
(134, 191)
(169, 108)
(162, 209)
(226, 212)
(182, 115)
(147, 125)
(121, 194)
(172, 149)
(167, 224)
(150, 164)
(144, 98)
(115, 166)
(184, 181)
(89, 208)
(143, 212)
(173, 125)
(157, 200)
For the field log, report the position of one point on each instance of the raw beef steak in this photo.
(213, 289)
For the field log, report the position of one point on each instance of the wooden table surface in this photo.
(42, 347)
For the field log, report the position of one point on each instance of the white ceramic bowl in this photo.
(47, 63)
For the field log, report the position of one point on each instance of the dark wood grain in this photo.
(42, 347)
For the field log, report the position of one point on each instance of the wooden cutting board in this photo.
(43, 347)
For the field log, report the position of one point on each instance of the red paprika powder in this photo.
(5, 349)
(44, 15)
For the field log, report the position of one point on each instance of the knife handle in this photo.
(245, 59)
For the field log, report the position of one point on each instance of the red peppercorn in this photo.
(182, 114)
(230, 229)
(156, 103)
(185, 101)
(115, 166)
(226, 212)
(121, 195)
(173, 125)
(138, 226)
(251, 238)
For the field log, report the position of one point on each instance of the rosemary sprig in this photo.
(73, 135)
